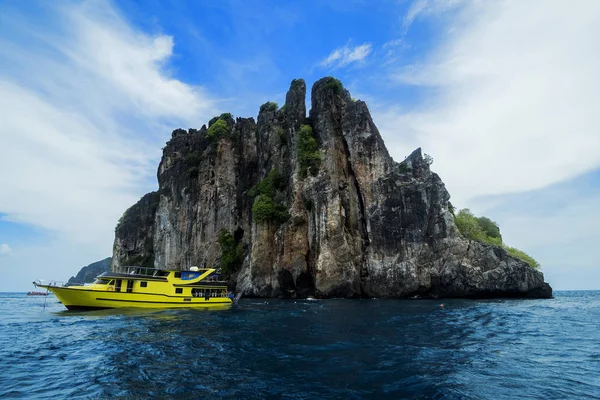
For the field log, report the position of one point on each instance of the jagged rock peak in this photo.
(295, 101)
(316, 206)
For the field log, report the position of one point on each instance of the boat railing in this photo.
(137, 270)
(149, 271)
(207, 293)
(53, 283)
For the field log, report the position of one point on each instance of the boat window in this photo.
(187, 275)
(179, 290)
(101, 281)
(143, 284)
(112, 282)
(178, 274)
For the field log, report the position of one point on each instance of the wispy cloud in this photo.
(415, 9)
(87, 101)
(346, 55)
(5, 249)
(515, 98)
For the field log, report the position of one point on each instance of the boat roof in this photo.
(111, 274)
(128, 269)
(150, 273)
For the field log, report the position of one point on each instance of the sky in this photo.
(504, 95)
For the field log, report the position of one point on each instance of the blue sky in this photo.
(503, 95)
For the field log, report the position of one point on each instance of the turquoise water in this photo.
(349, 349)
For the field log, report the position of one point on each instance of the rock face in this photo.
(89, 273)
(358, 224)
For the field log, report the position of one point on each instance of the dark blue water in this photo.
(306, 350)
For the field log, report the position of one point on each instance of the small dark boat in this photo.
(37, 293)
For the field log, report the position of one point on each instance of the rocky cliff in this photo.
(317, 206)
(89, 273)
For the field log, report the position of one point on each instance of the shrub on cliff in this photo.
(217, 130)
(232, 252)
(273, 181)
(335, 85)
(265, 207)
(309, 157)
(523, 256)
(467, 224)
(269, 106)
(485, 230)
(404, 168)
(489, 227)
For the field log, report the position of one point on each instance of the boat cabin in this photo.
(193, 283)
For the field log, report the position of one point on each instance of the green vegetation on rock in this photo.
(309, 157)
(404, 168)
(335, 85)
(489, 227)
(485, 230)
(522, 255)
(295, 83)
(269, 106)
(471, 228)
(282, 136)
(217, 130)
(265, 207)
(273, 181)
(232, 252)
(193, 160)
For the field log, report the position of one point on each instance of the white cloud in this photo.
(415, 9)
(556, 225)
(86, 103)
(392, 43)
(343, 56)
(420, 8)
(514, 93)
(5, 249)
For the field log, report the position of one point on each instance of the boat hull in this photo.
(80, 298)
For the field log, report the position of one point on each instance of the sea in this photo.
(305, 349)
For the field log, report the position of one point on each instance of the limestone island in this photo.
(297, 206)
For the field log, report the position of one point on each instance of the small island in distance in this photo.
(297, 206)
(89, 273)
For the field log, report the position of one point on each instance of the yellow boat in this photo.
(145, 288)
